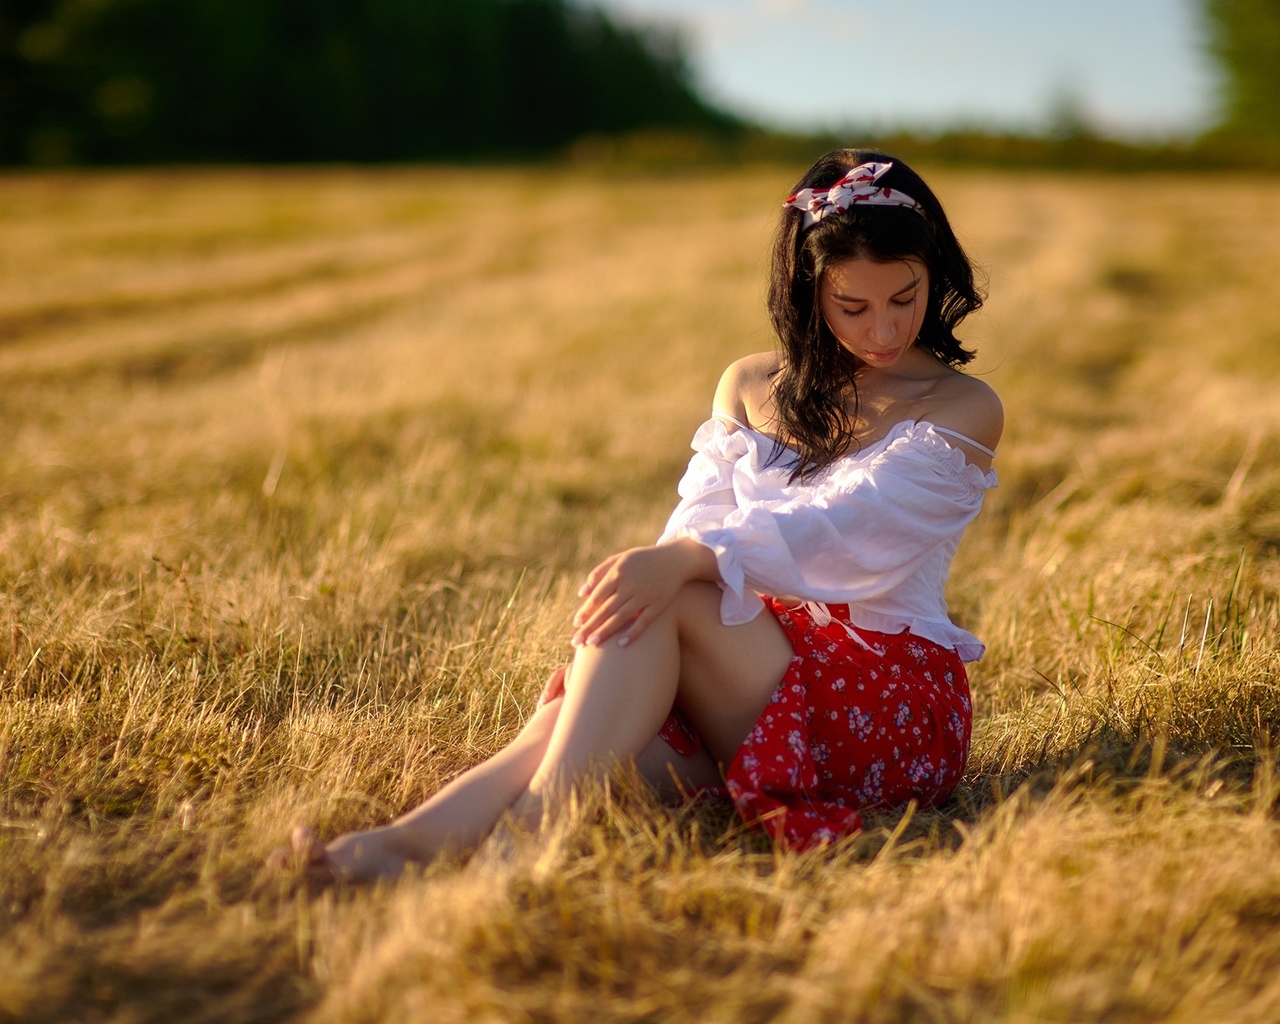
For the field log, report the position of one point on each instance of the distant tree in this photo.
(295, 80)
(25, 101)
(1244, 38)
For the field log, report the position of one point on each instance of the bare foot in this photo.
(355, 857)
(362, 856)
(305, 853)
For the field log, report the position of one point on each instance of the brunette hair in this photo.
(817, 372)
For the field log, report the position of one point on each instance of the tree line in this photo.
(110, 81)
(1243, 38)
(146, 81)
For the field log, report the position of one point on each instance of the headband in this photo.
(857, 186)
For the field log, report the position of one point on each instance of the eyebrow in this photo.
(839, 297)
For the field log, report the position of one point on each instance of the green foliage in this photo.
(1244, 38)
(295, 80)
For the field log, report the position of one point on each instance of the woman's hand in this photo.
(627, 591)
(554, 686)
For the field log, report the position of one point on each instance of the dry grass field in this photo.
(301, 468)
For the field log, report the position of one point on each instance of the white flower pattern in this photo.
(883, 728)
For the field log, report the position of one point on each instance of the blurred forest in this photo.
(1244, 41)
(197, 81)
(139, 81)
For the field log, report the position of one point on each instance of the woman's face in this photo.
(875, 309)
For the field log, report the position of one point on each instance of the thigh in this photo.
(727, 673)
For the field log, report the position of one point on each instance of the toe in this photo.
(307, 848)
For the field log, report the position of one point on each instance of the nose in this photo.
(884, 326)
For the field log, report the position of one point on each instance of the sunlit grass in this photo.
(301, 470)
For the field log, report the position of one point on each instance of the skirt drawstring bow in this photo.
(822, 617)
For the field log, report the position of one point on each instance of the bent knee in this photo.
(699, 596)
(697, 606)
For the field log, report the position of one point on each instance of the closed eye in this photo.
(900, 303)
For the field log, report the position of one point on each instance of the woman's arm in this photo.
(852, 536)
(627, 591)
(972, 408)
(707, 492)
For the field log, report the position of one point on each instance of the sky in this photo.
(1131, 67)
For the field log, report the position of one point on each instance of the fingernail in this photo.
(593, 641)
(623, 641)
(576, 641)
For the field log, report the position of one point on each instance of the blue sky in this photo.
(1132, 66)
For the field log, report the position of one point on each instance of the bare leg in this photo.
(616, 701)
(619, 697)
(462, 813)
(457, 817)
(673, 775)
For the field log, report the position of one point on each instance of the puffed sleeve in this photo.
(856, 532)
(706, 490)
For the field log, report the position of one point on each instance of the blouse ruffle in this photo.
(876, 529)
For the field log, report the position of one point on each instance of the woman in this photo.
(787, 637)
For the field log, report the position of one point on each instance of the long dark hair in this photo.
(817, 372)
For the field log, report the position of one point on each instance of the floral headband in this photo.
(857, 186)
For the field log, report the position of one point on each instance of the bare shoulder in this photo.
(971, 407)
(744, 388)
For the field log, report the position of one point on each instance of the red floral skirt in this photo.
(847, 728)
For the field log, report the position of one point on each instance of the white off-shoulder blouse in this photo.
(876, 529)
